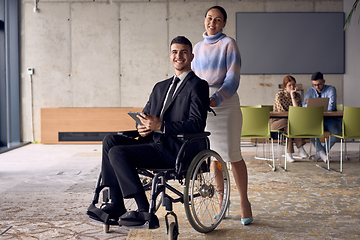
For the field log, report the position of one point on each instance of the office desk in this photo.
(334, 114)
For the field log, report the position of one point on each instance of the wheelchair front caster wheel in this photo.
(173, 231)
(106, 228)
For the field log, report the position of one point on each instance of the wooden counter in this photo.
(68, 125)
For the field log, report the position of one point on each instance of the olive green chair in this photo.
(252, 106)
(279, 132)
(256, 124)
(350, 129)
(340, 107)
(305, 122)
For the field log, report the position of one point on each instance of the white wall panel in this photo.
(45, 44)
(144, 50)
(95, 55)
(352, 58)
(187, 19)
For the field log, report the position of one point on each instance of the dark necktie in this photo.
(170, 96)
(319, 94)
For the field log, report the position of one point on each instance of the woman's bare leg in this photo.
(241, 179)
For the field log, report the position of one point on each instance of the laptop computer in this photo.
(318, 102)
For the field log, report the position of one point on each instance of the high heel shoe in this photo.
(228, 211)
(246, 221)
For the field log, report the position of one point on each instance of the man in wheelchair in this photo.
(176, 105)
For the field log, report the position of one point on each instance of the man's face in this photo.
(181, 57)
(318, 84)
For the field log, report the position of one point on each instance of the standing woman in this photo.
(217, 60)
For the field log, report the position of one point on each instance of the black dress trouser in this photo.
(122, 156)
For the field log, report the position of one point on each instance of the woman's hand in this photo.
(293, 91)
(212, 102)
(292, 95)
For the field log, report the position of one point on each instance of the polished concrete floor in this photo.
(45, 190)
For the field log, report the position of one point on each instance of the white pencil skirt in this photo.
(225, 128)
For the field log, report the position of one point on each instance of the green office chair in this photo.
(305, 122)
(252, 106)
(256, 124)
(278, 131)
(340, 107)
(350, 129)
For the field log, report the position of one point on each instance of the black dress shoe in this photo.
(114, 211)
(132, 218)
(138, 218)
(109, 217)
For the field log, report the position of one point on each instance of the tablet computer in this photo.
(134, 116)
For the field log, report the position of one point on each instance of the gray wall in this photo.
(352, 58)
(110, 53)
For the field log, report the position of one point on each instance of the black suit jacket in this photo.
(187, 112)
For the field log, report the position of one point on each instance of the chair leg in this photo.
(286, 140)
(341, 154)
(346, 155)
(315, 151)
(327, 148)
(256, 141)
(264, 148)
(273, 155)
(278, 145)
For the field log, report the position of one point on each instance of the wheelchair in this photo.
(194, 170)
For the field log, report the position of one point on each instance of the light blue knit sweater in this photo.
(217, 60)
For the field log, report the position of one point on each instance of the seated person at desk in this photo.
(283, 99)
(166, 114)
(320, 90)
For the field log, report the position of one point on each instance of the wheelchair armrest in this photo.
(130, 133)
(187, 136)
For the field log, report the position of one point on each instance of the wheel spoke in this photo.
(201, 189)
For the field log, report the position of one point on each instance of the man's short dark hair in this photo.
(181, 40)
(317, 76)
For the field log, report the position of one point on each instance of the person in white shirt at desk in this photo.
(320, 90)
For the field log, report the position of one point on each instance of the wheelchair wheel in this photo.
(202, 202)
(130, 203)
(106, 228)
(173, 231)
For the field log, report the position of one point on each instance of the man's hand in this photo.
(150, 123)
